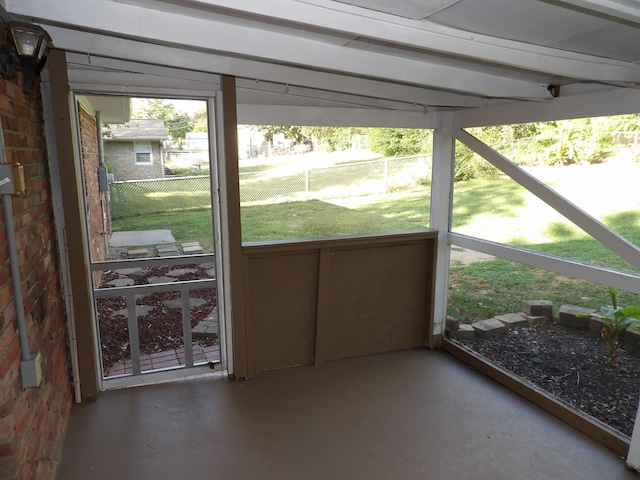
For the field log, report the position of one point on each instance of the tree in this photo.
(199, 122)
(394, 142)
(177, 124)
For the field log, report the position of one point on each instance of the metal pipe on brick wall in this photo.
(13, 261)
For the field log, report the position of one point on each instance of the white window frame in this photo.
(143, 147)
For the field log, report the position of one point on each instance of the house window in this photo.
(143, 153)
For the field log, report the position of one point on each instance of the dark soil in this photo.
(572, 366)
(161, 328)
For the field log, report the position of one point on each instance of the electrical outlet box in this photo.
(7, 186)
(12, 181)
(103, 178)
(31, 371)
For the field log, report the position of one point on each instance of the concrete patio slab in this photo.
(141, 237)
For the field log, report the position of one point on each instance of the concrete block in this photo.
(534, 319)
(453, 323)
(631, 338)
(138, 253)
(464, 332)
(575, 316)
(537, 307)
(488, 328)
(167, 250)
(512, 320)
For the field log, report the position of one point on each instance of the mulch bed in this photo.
(571, 365)
(161, 328)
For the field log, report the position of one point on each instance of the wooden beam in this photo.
(591, 273)
(332, 117)
(76, 231)
(231, 235)
(616, 101)
(610, 239)
(622, 11)
(291, 47)
(359, 22)
(440, 211)
(151, 54)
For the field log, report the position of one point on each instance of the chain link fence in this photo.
(337, 181)
(136, 197)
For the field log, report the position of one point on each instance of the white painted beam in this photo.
(331, 117)
(623, 11)
(354, 21)
(272, 90)
(610, 102)
(78, 61)
(607, 237)
(146, 53)
(440, 211)
(599, 275)
(203, 33)
(125, 79)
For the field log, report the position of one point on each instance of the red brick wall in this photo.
(32, 421)
(99, 221)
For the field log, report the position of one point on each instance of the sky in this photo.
(183, 106)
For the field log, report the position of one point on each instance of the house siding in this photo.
(121, 156)
(32, 421)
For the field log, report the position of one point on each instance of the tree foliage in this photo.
(177, 124)
(393, 142)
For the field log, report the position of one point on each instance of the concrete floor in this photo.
(405, 415)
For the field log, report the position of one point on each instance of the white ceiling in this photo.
(375, 56)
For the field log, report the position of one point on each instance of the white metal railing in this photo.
(131, 292)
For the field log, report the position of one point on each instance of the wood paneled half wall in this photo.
(311, 301)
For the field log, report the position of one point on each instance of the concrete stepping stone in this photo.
(571, 316)
(161, 279)
(128, 271)
(488, 328)
(181, 271)
(167, 250)
(192, 247)
(512, 320)
(207, 327)
(121, 282)
(177, 303)
(211, 272)
(138, 253)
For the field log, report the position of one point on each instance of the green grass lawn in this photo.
(497, 210)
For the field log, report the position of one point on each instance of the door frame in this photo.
(68, 194)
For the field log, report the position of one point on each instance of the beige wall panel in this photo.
(377, 300)
(282, 314)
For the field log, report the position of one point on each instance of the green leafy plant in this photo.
(616, 320)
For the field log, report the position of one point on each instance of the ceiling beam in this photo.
(618, 101)
(191, 32)
(332, 117)
(611, 8)
(152, 54)
(355, 21)
(302, 93)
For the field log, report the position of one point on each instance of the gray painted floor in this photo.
(405, 415)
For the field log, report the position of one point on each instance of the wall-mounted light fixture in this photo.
(30, 43)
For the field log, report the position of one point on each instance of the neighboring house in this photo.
(134, 150)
